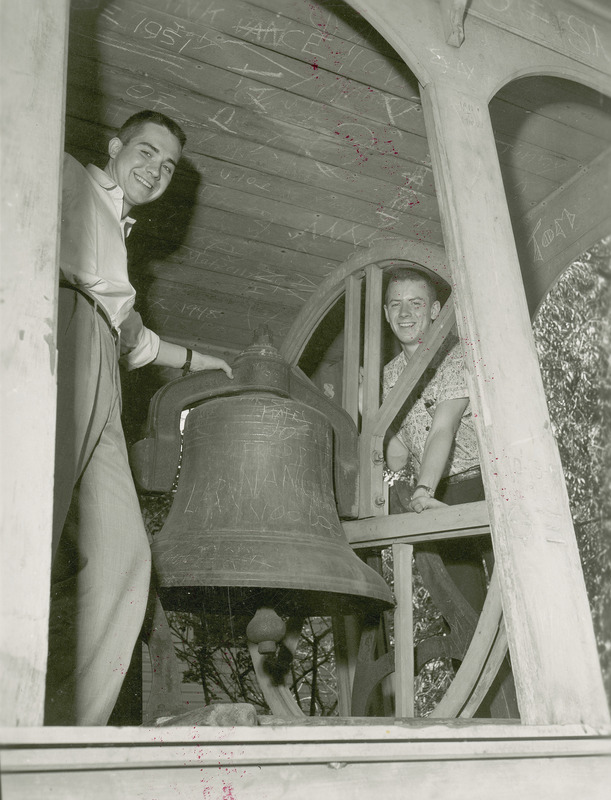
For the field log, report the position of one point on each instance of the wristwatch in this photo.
(186, 367)
(427, 489)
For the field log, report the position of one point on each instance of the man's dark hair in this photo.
(400, 274)
(133, 125)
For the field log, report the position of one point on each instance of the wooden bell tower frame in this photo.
(558, 679)
(544, 602)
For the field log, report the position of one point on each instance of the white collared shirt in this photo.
(93, 254)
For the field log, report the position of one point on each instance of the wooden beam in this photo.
(352, 347)
(542, 739)
(550, 632)
(32, 74)
(469, 519)
(562, 227)
(371, 495)
(404, 630)
(359, 761)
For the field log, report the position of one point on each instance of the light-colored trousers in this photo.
(102, 560)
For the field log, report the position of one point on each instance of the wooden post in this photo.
(404, 631)
(33, 67)
(546, 609)
(371, 481)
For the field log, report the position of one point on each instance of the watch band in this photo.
(186, 367)
(427, 489)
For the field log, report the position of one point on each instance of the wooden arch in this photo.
(571, 73)
(589, 190)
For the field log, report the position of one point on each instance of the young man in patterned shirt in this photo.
(437, 432)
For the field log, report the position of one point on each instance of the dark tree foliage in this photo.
(213, 648)
(215, 651)
(572, 332)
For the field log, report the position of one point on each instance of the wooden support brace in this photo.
(404, 627)
(468, 519)
(453, 18)
(371, 493)
(352, 346)
(165, 699)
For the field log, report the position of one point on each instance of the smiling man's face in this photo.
(143, 167)
(410, 310)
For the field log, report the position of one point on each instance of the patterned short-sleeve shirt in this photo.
(444, 379)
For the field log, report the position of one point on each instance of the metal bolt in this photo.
(379, 501)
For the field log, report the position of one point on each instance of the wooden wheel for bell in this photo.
(482, 658)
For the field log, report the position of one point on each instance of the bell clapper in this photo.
(266, 629)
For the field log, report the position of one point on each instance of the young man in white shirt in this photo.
(101, 567)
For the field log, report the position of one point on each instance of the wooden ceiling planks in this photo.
(567, 102)
(306, 202)
(306, 141)
(293, 88)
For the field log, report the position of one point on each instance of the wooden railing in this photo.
(489, 644)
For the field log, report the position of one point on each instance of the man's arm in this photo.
(396, 454)
(437, 448)
(140, 346)
(175, 355)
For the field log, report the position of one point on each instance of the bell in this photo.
(254, 521)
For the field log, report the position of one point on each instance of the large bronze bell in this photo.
(254, 520)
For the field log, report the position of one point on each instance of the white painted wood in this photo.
(347, 629)
(32, 75)
(404, 630)
(563, 226)
(352, 346)
(203, 746)
(371, 483)
(576, 739)
(453, 19)
(468, 519)
(527, 778)
(346, 638)
(360, 762)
